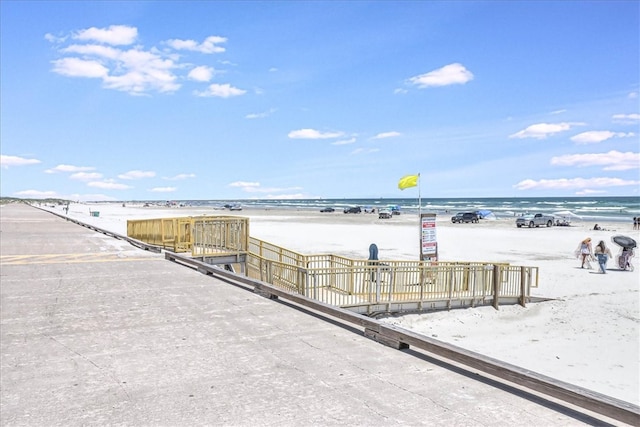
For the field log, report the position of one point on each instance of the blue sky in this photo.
(239, 100)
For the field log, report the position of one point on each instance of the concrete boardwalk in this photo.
(97, 332)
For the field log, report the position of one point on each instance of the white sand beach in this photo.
(589, 335)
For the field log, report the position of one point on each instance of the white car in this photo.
(384, 214)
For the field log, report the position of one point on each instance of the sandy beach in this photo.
(588, 335)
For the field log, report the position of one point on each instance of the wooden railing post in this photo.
(523, 286)
(452, 274)
(496, 285)
(442, 285)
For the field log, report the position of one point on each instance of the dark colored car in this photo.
(327, 210)
(465, 217)
(353, 209)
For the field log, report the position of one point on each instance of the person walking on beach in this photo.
(603, 254)
(624, 259)
(584, 252)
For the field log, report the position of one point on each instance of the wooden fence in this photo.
(364, 286)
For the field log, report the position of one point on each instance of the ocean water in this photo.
(586, 208)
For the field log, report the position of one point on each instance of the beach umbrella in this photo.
(624, 241)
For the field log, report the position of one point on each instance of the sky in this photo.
(215, 100)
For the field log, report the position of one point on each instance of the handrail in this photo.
(375, 287)
(575, 395)
(135, 242)
(592, 401)
(372, 286)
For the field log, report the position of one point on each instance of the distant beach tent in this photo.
(408, 181)
(567, 215)
(486, 214)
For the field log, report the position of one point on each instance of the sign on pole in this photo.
(428, 241)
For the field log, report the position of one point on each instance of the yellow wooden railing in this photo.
(381, 285)
(362, 285)
(202, 236)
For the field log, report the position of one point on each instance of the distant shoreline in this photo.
(589, 209)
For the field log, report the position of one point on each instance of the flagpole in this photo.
(419, 198)
(419, 219)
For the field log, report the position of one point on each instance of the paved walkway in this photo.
(95, 331)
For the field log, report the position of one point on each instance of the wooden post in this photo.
(496, 285)
(523, 287)
(452, 275)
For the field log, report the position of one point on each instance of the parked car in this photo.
(235, 208)
(327, 210)
(535, 220)
(384, 214)
(353, 209)
(461, 217)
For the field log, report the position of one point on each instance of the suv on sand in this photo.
(354, 209)
(384, 214)
(465, 217)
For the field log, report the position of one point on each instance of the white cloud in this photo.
(626, 118)
(75, 67)
(244, 184)
(400, 91)
(573, 183)
(181, 177)
(384, 135)
(70, 169)
(633, 95)
(163, 189)
(201, 74)
(36, 194)
(7, 161)
(313, 134)
(105, 52)
(613, 160)
(54, 39)
(260, 115)
(589, 192)
(543, 130)
(595, 136)
(209, 45)
(142, 71)
(134, 70)
(135, 174)
(254, 187)
(344, 141)
(84, 176)
(448, 75)
(358, 151)
(113, 35)
(221, 91)
(108, 185)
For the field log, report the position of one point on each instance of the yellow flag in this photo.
(408, 181)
